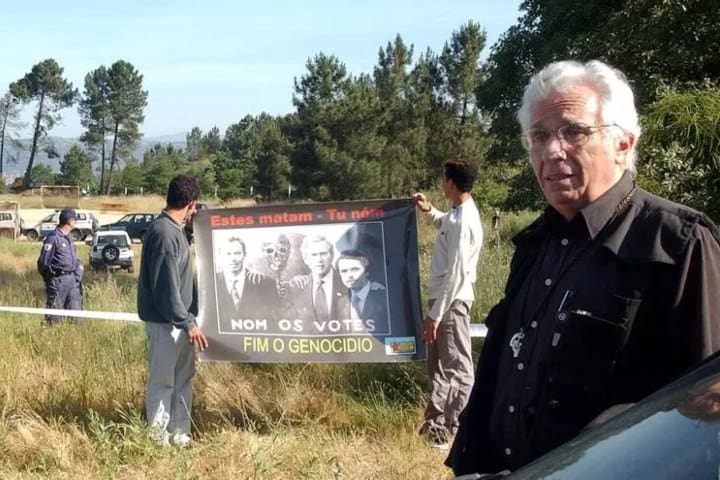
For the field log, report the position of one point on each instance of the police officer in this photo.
(60, 268)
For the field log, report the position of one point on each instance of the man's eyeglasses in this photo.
(574, 134)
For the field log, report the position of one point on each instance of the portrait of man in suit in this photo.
(366, 300)
(315, 296)
(241, 293)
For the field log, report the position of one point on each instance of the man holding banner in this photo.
(167, 303)
(446, 329)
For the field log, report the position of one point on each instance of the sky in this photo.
(210, 63)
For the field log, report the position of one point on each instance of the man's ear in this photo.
(623, 145)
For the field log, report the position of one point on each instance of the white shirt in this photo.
(453, 269)
(327, 288)
(231, 278)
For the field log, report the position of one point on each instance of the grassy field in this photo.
(71, 398)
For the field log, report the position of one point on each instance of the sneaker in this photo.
(181, 439)
(160, 439)
(438, 437)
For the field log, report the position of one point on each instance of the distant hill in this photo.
(62, 145)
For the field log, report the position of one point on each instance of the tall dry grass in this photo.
(71, 397)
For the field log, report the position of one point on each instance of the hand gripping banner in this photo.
(330, 282)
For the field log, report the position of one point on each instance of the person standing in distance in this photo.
(446, 329)
(167, 303)
(60, 268)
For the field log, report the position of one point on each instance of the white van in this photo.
(85, 225)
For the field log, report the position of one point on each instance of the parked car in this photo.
(111, 249)
(85, 225)
(10, 222)
(672, 434)
(135, 224)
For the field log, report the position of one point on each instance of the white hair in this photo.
(617, 104)
(311, 239)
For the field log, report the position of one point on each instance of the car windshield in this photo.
(674, 433)
(126, 218)
(49, 218)
(118, 240)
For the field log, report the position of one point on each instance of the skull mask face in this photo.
(277, 253)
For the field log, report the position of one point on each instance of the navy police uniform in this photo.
(61, 270)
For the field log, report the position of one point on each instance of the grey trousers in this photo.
(171, 367)
(450, 368)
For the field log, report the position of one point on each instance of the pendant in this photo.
(516, 342)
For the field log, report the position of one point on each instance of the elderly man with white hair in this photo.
(612, 291)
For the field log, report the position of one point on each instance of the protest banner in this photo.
(329, 282)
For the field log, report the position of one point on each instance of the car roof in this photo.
(107, 233)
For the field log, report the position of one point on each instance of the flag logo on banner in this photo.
(399, 345)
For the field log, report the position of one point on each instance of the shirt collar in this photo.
(591, 219)
(172, 220)
(588, 222)
(362, 293)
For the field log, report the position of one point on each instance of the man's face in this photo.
(235, 256)
(318, 258)
(572, 176)
(446, 186)
(352, 272)
(277, 253)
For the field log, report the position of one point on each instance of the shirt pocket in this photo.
(586, 345)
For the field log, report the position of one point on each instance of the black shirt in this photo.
(600, 310)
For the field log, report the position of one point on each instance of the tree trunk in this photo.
(36, 135)
(2, 140)
(102, 161)
(112, 158)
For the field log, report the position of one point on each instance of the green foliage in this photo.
(194, 144)
(212, 142)
(10, 124)
(160, 164)
(76, 168)
(681, 147)
(131, 177)
(112, 105)
(94, 110)
(637, 36)
(42, 175)
(127, 100)
(491, 189)
(233, 176)
(46, 85)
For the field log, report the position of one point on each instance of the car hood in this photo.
(674, 433)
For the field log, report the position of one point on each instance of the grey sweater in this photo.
(166, 288)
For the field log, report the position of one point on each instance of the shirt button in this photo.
(564, 242)
(511, 409)
(508, 451)
(533, 324)
(520, 366)
(548, 282)
(562, 316)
